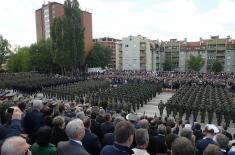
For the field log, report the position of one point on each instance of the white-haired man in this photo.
(15, 146)
(75, 130)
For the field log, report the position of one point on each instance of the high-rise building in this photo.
(109, 43)
(134, 53)
(44, 20)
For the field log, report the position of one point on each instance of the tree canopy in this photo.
(19, 61)
(167, 65)
(217, 66)
(4, 49)
(100, 56)
(195, 63)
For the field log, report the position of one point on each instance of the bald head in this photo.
(15, 146)
(144, 124)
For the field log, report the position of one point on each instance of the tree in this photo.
(59, 57)
(73, 34)
(4, 49)
(100, 56)
(217, 66)
(19, 61)
(167, 65)
(41, 56)
(195, 62)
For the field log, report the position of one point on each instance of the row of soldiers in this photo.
(126, 97)
(32, 83)
(74, 91)
(192, 99)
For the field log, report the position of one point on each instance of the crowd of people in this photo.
(108, 125)
(49, 129)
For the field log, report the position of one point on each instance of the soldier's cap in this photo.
(131, 117)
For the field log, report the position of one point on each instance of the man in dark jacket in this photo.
(34, 119)
(95, 126)
(203, 143)
(90, 140)
(107, 126)
(124, 133)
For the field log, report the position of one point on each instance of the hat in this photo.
(131, 117)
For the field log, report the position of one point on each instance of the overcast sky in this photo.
(154, 19)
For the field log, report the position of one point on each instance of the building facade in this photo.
(44, 20)
(139, 53)
(109, 43)
(134, 53)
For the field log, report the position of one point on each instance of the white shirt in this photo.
(140, 152)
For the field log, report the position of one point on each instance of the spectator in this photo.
(124, 133)
(75, 131)
(109, 137)
(90, 141)
(187, 133)
(222, 142)
(15, 128)
(42, 145)
(15, 146)
(107, 126)
(58, 133)
(203, 143)
(212, 149)
(182, 146)
(144, 124)
(197, 131)
(33, 120)
(142, 141)
(95, 126)
(169, 140)
(160, 139)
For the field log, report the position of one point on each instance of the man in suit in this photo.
(34, 119)
(124, 133)
(75, 131)
(90, 141)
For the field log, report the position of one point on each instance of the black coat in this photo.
(91, 143)
(33, 121)
(58, 135)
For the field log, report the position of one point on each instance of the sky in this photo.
(154, 19)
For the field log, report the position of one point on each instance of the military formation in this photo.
(128, 97)
(75, 91)
(32, 83)
(195, 99)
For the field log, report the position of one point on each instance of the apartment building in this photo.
(134, 53)
(109, 43)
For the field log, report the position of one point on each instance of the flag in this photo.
(193, 124)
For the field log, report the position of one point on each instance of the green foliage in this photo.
(4, 49)
(67, 36)
(73, 34)
(100, 56)
(168, 65)
(19, 61)
(217, 66)
(41, 56)
(195, 63)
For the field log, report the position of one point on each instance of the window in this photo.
(126, 45)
